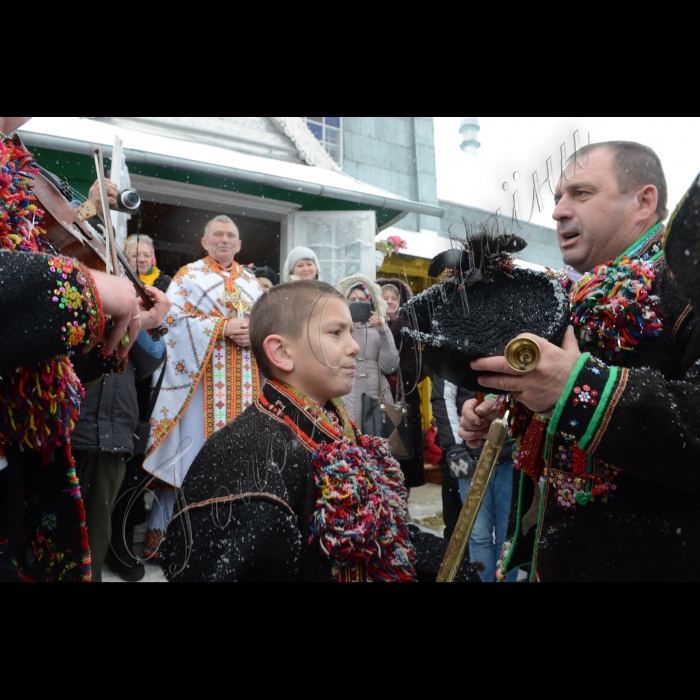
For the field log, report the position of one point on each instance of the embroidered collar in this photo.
(650, 247)
(311, 423)
(233, 272)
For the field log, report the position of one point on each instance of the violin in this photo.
(70, 234)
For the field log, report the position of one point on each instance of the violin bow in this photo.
(112, 261)
(112, 258)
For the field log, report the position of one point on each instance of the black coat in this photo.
(650, 529)
(163, 282)
(111, 408)
(114, 406)
(39, 512)
(261, 533)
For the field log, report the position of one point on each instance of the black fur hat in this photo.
(267, 273)
(485, 304)
(683, 244)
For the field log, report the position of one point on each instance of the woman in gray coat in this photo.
(378, 354)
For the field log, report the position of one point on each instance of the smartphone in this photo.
(361, 311)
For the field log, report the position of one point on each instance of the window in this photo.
(328, 130)
(343, 240)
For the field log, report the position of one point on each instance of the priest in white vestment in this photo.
(211, 376)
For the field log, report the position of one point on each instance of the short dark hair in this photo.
(637, 166)
(285, 311)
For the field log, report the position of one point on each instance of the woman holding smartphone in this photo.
(378, 358)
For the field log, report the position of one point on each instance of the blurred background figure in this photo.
(302, 264)
(396, 293)
(378, 358)
(267, 277)
(141, 253)
(130, 508)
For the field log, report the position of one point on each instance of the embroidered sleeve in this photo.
(75, 293)
(49, 308)
(585, 409)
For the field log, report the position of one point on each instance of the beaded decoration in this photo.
(79, 299)
(501, 572)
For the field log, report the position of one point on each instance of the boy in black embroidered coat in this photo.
(262, 500)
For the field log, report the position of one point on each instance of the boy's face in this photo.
(325, 357)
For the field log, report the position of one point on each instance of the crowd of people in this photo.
(277, 428)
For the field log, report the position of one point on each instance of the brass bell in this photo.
(523, 355)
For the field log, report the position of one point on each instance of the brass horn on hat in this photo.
(523, 355)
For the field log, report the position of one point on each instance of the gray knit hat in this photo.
(294, 257)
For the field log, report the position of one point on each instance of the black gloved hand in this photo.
(461, 462)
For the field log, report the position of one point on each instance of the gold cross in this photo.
(236, 304)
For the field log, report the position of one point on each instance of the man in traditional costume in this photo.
(211, 376)
(52, 308)
(609, 440)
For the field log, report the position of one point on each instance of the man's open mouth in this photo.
(569, 237)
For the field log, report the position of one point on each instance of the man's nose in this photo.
(562, 212)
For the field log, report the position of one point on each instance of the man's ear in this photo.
(647, 203)
(204, 244)
(276, 352)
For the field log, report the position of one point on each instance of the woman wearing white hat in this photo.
(302, 264)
